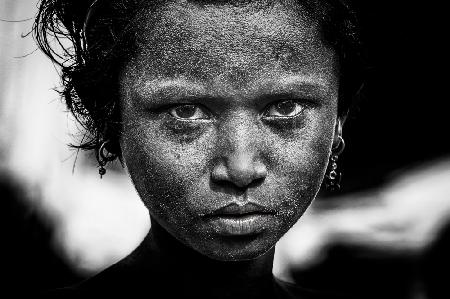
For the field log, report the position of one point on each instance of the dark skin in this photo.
(227, 105)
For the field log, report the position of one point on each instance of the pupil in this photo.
(286, 107)
(186, 111)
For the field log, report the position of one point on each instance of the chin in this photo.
(242, 248)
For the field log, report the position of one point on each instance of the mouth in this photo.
(239, 220)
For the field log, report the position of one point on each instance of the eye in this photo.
(188, 112)
(286, 108)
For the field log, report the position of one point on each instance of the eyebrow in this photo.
(182, 88)
(159, 84)
(160, 89)
(315, 82)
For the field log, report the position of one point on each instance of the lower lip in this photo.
(235, 225)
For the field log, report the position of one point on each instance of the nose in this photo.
(239, 162)
(239, 169)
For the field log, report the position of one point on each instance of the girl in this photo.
(227, 116)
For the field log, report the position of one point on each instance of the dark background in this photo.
(402, 117)
(401, 123)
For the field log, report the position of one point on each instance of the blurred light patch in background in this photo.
(97, 221)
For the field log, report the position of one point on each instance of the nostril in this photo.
(256, 182)
(229, 188)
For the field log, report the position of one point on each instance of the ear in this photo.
(338, 132)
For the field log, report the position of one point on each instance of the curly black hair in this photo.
(91, 39)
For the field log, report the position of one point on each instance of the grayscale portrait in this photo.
(221, 149)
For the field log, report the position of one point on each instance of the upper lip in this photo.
(236, 209)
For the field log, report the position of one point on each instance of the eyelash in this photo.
(198, 109)
(301, 106)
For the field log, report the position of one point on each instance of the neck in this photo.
(222, 279)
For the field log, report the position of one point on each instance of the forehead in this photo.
(236, 43)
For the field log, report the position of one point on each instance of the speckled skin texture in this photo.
(232, 63)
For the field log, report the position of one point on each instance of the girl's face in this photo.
(229, 113)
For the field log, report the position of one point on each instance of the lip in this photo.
(239, 219)
(237, 209)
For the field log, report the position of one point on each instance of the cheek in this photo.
(299, 164)
(164, 168)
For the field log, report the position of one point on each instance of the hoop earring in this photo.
(333, 176)
(103, 157)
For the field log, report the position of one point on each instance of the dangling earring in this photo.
(103, 157)
(333, 176)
